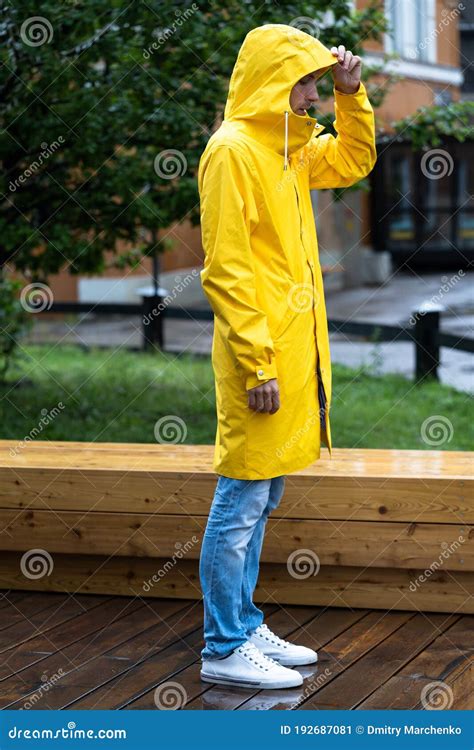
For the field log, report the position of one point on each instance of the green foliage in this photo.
(429, 126)
(14, 321)
(113, 85)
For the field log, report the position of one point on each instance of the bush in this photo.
(14, 322)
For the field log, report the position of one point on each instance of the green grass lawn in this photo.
(118, 396)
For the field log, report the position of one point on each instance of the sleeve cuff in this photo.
(261, 375)
(350, 101)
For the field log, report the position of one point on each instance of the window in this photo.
(412, 32)
(415, 214)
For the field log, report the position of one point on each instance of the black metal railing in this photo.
(424, 333)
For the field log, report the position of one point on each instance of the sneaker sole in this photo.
(295, 662)
(252, 684)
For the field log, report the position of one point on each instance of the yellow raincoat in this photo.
(262, 274)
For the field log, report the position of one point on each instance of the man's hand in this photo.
(346, 74)
(265, 397)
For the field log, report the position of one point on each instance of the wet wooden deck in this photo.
(109, 652)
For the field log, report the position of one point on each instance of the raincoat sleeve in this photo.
(228, 212)
(343, 161)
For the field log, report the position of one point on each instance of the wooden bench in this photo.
(386, 529)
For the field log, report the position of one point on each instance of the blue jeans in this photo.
(229, 562)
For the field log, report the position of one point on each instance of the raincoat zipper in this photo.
(321, 390)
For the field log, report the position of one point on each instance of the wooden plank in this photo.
(334, 586)
(165, 457)
(341, 661)
(383, 544)
(101, 613)
(9, 597)
(22, 625)
(379, 664)
(80, 684)
(167, 661)
(426, 486)
(25, 610)
(462, 684)
(330, 497)
(448, 660)
(157, 618)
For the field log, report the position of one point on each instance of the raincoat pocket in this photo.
(296, 355)
(284, 323)
(287, 300)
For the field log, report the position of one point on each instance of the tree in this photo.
(430, 126)
(106, 109)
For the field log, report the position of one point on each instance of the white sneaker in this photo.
(246, 666)
(282, 651)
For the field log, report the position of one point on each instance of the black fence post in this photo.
(426, 338)
(152, 321)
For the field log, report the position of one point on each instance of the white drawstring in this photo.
(285, 166)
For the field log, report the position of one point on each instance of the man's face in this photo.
(304, 94)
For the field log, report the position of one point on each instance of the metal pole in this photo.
(152, 322)
(151, 316)
(426, 338)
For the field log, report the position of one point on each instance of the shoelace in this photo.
(257, 657)
(265, 632)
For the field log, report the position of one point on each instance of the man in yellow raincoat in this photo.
(270, 353)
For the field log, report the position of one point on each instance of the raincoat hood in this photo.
(271, 60)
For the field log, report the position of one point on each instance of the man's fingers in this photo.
(269, 401)
(347, 60)
(259, 401)
(265, 398)
(354, 62)
(251, 401)
(276, 401)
